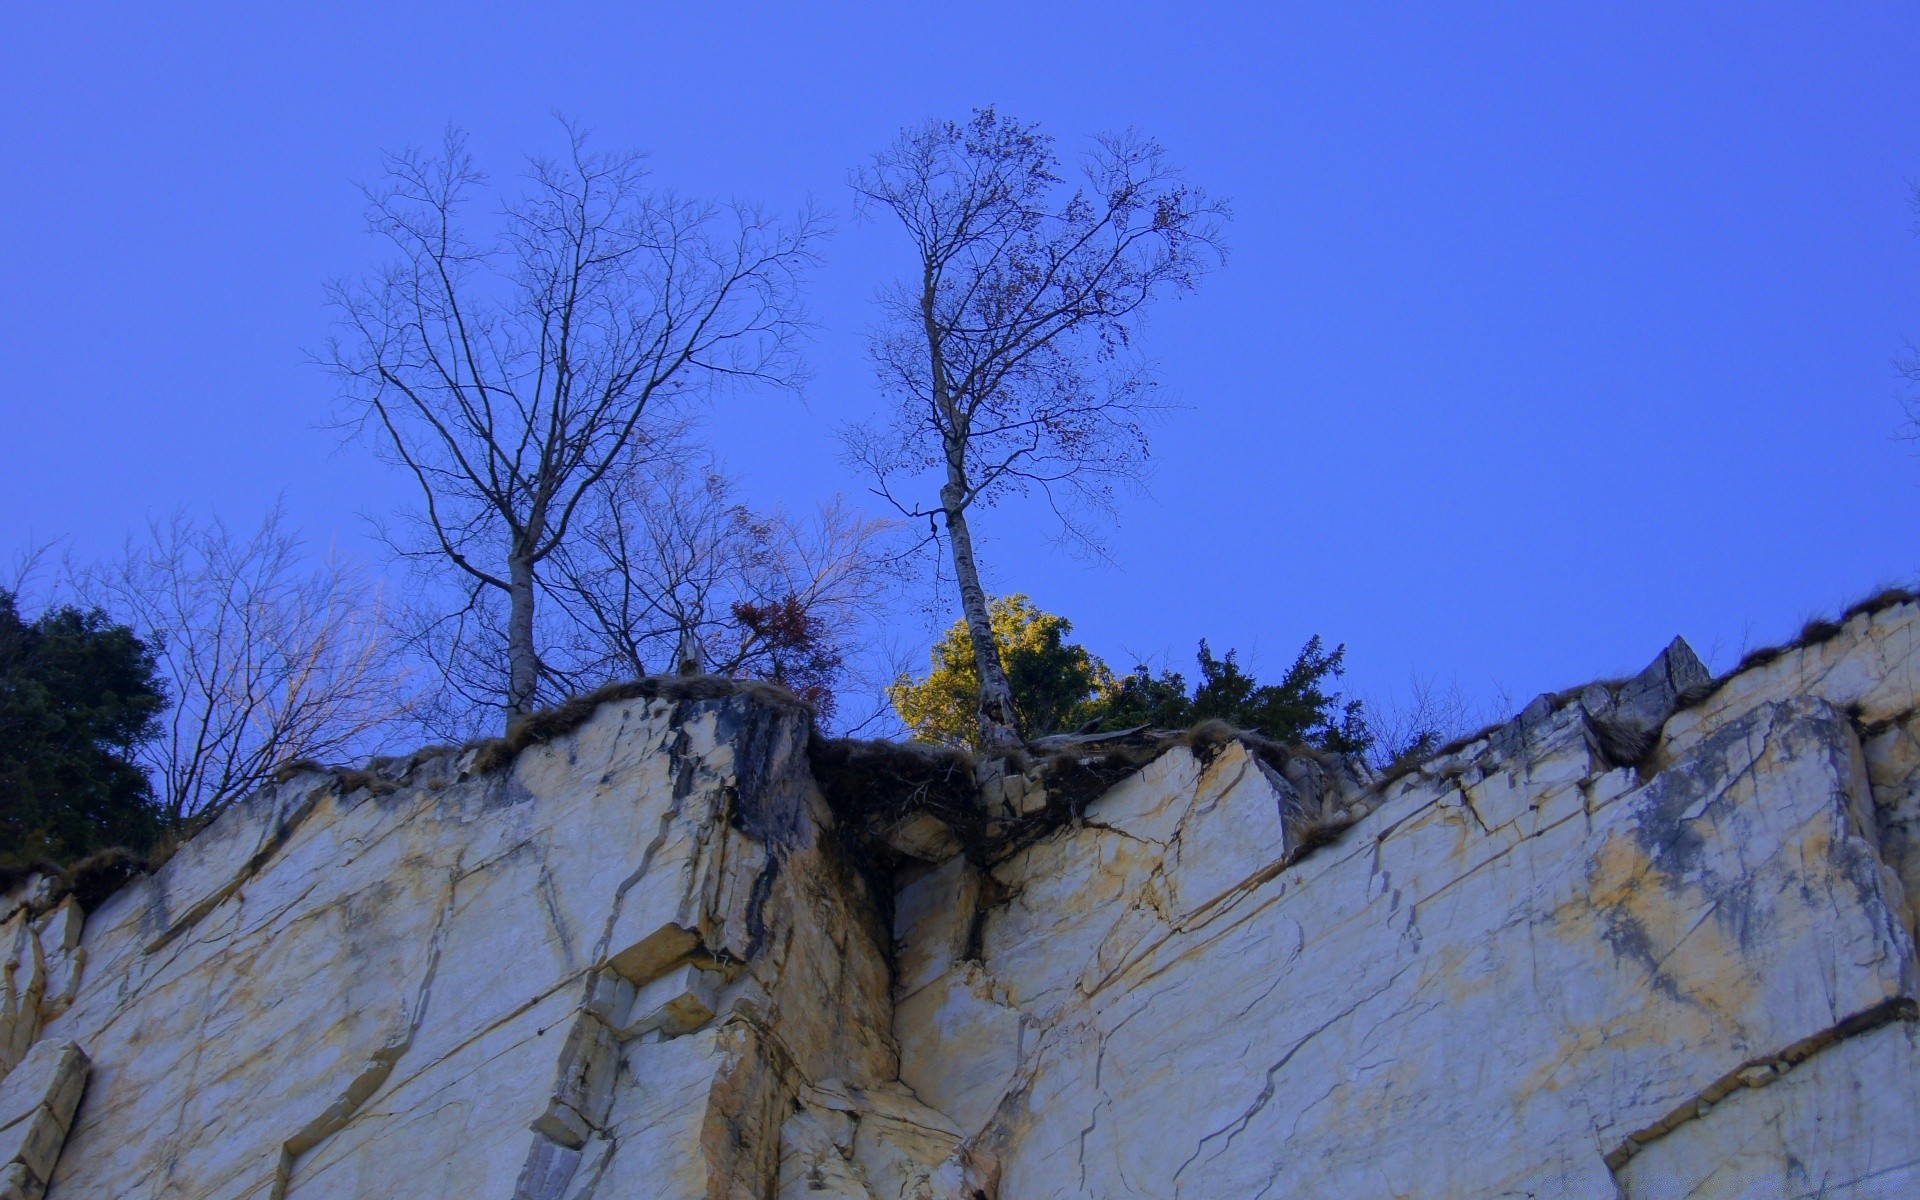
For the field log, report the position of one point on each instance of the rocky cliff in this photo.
(1648, 939)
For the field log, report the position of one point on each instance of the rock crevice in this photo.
(1651, 938)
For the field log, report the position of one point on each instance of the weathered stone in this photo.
(815, 1162)
(33, 1142)
(933, 921)
(1627, 717)
(37, 1102)
(680, 1001)
(550, 1168)
(1845, 1123)
(51, 1076)
(960, 1046)
(925, 837)
(652, 952)
(639, 962)
(1233, 832)
(1026, 797)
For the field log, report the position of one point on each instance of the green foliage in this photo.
(1058, 685)
(77, 696)
(1055, 682)
(1298, 709)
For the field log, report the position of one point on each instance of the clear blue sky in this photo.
(1550, 331)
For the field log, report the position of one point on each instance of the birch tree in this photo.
(509, 370)
(1008, 349)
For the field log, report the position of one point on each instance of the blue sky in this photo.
(1549, 331)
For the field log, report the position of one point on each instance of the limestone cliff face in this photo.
(1649, 939)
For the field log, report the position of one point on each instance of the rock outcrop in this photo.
(1649, 939)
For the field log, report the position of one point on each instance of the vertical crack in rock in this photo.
(1093, 1117)
(680, 768)
(550, 905)
(1466, 802)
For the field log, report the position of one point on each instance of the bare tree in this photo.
(1908, 364)
(509, 375)
(1008, 350)
(1425, 717)
(265, 656)
(25, 572)
(670, 563)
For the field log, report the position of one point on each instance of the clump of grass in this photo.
(497, 753)
(351, 781)
(295, 767)
(98, 876)
(1883, 599)
(94, 878)
(1818, 630)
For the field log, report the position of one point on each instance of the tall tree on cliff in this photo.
(1009, 348)
(511, 370)
(78, 697)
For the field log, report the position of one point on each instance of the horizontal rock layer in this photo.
(1649, 939)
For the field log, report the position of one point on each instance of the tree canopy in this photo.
(1300, 708)
(1008, 347)
(78, 695)
(1059, 685)
(512, 367)
(1054, 681)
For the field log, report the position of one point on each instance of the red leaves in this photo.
(792, 648)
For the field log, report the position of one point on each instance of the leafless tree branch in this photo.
(1009, 351)
(264, 657)
(511, 375)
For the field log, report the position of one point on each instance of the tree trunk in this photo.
(999, 724)
(523, 667)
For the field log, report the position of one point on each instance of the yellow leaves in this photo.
(1052, 678)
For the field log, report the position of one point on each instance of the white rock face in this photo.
(644, 961)
(524, 983)
(1525, 972)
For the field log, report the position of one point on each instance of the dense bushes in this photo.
(77, 695)
(1297, 709)
(1059, 685)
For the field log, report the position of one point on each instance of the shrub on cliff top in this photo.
(1055, 682)
(1299, 709)
(1060, 685)
(77, 695)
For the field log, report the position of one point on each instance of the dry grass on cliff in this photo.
(1824, 629)
(494, 754)
(89, 880)
(1816, 631)
(872, 786)
(535, 728)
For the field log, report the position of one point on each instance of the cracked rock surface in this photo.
(1649, 939)
(1527, 971)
